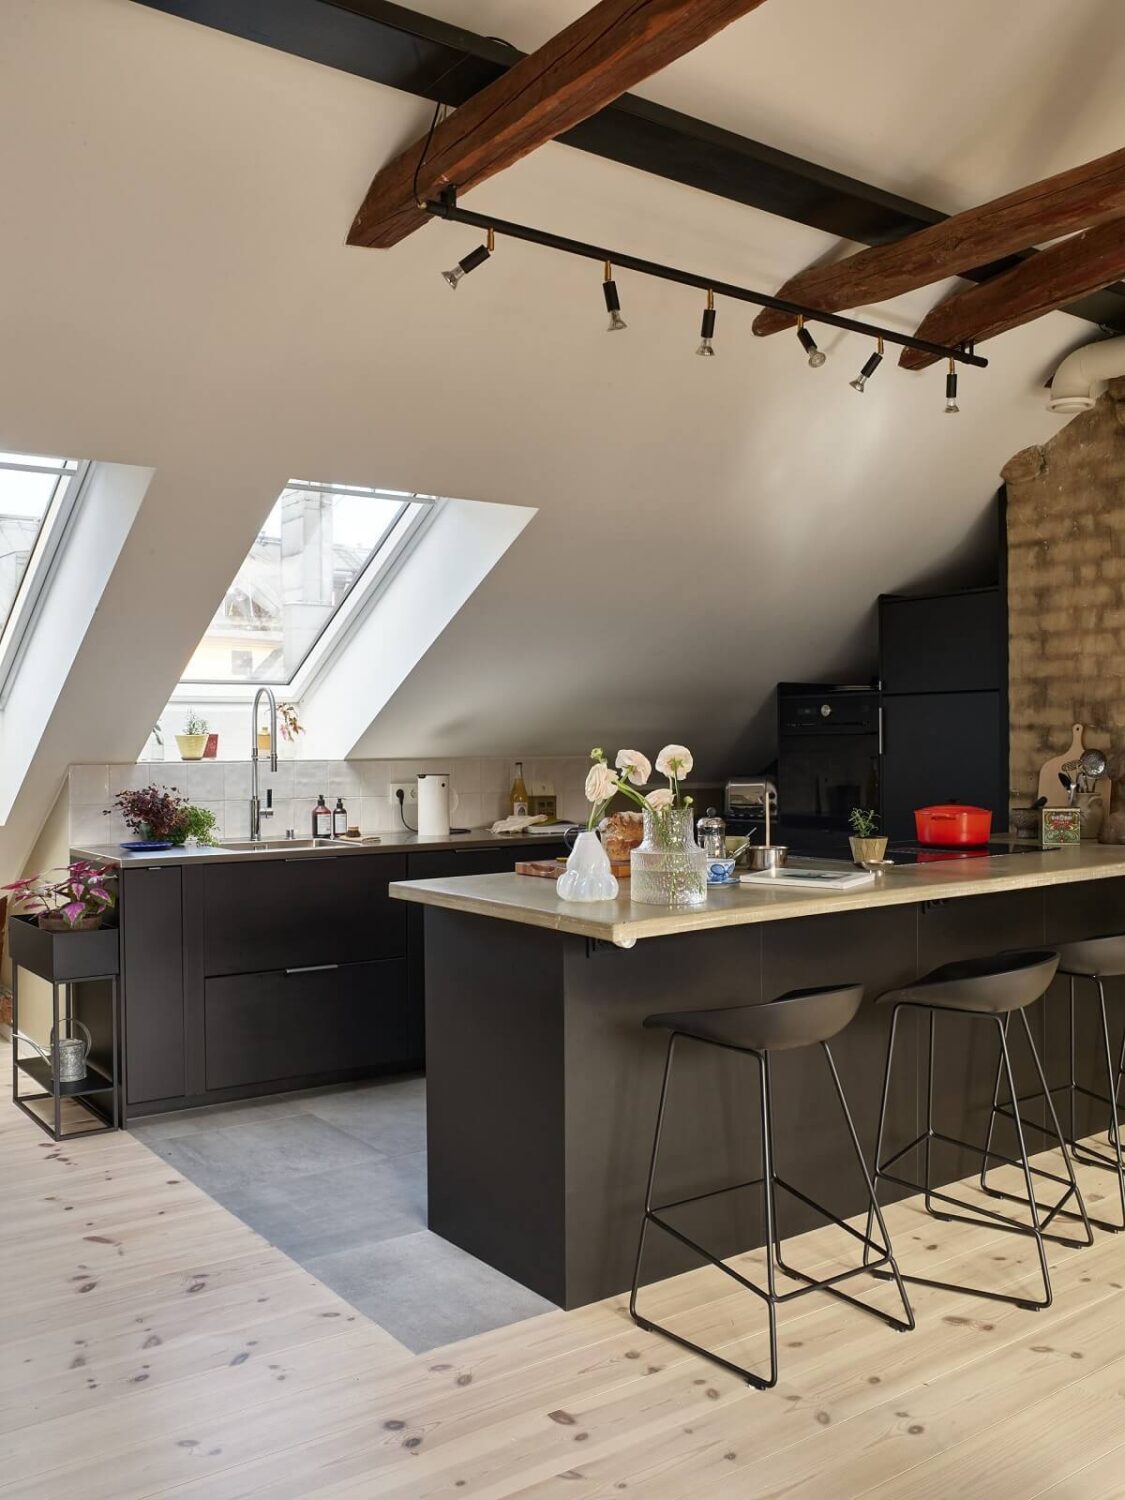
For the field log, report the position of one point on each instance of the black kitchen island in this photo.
(542, 1086)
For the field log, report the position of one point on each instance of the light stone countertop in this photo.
(523, 847)
(534, 902)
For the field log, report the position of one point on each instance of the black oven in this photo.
(828, 748)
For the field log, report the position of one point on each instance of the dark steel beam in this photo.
(403, 49)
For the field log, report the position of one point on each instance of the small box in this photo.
(1060, 825)
(540, 804)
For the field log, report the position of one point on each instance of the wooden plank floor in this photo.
(152, 1345)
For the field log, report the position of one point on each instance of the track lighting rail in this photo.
(446, 207)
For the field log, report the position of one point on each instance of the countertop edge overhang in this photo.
(391, 843)
(520, 898)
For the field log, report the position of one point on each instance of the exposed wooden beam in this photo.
(427, 57)
(1090, 194)
(587, 65)
(1041, 285)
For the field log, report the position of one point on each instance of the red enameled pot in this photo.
(953, 825)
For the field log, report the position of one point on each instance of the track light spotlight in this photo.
(869, 368)
(471, 261)
(808, 344)
(951, 389)
(707, 327)
(612, 301)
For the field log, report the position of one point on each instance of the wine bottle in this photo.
(517, 797)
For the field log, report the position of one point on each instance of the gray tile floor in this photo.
(337, 1179)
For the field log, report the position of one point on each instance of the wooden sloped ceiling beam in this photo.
(1084, 263)
(1082, 196)
(585, 67)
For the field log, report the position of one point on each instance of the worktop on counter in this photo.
(516, 898)
(388, 843)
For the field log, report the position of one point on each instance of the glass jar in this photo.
(668, 868)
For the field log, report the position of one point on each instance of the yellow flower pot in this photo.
(191, 746)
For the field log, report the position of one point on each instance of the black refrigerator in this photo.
(943, 667)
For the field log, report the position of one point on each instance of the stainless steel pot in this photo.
(767, 856)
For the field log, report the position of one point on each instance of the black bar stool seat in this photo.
(1096, 960)
(797, 1019)
(990, 986)
(800, 1018)
(994, 989)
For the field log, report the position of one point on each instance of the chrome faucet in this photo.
(257, 812)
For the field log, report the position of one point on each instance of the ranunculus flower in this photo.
(659, 799)
(636, 767)
(674, 761)
(601, 783)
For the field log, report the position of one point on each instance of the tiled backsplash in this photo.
(480, 788)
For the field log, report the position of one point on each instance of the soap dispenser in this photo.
(321, 819)
(339, 819)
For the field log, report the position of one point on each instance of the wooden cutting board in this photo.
(1049, 784)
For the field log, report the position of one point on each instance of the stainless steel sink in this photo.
(247, 846)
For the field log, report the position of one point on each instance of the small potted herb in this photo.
(154, 813)
(193, 741)
(868, 847)
(196, 826)
(71, 898)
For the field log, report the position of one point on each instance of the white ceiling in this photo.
(949, 104)
(175, 291)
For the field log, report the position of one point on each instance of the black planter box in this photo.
(61, 957)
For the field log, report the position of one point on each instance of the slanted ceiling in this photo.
(177, 294)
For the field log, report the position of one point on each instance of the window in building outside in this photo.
(322, 546)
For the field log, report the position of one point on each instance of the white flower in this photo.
(636, 767)
(674, 761)
(601, 783)
(659, 799)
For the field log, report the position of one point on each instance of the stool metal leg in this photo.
(1011, 1111)
(1083, 1153)
(652, 1215)
(769, 1183)
(982, 1216)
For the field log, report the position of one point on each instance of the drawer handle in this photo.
(312, 969)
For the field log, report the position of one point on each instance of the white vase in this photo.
(587, 876)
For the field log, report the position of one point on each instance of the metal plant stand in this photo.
(66, 959)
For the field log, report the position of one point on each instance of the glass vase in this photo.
(587, 876)
(668, 868)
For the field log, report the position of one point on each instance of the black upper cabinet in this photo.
(942, 747)
(942, 643)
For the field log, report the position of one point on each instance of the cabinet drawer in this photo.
(289, 913)
(267, 1028)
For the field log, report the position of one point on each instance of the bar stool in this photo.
(1095, 959)
(800, 1018)
(992, 989)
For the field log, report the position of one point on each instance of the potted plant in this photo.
(196, 825)
(154, 813)
(70, 898)
(193, 741)
(868, 847)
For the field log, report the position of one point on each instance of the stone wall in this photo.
(1066, 591)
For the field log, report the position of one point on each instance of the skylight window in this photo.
(320, 555)
(36, 499)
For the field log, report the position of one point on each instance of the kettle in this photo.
(68, 1054)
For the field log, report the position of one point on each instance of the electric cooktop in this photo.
(924, 854)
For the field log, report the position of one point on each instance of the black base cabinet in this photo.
(256, 976)
(283, 1026)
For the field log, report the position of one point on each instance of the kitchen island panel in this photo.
(495, 1098)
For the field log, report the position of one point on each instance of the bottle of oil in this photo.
(517, 797)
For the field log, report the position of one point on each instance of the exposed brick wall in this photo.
(1066, 591)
